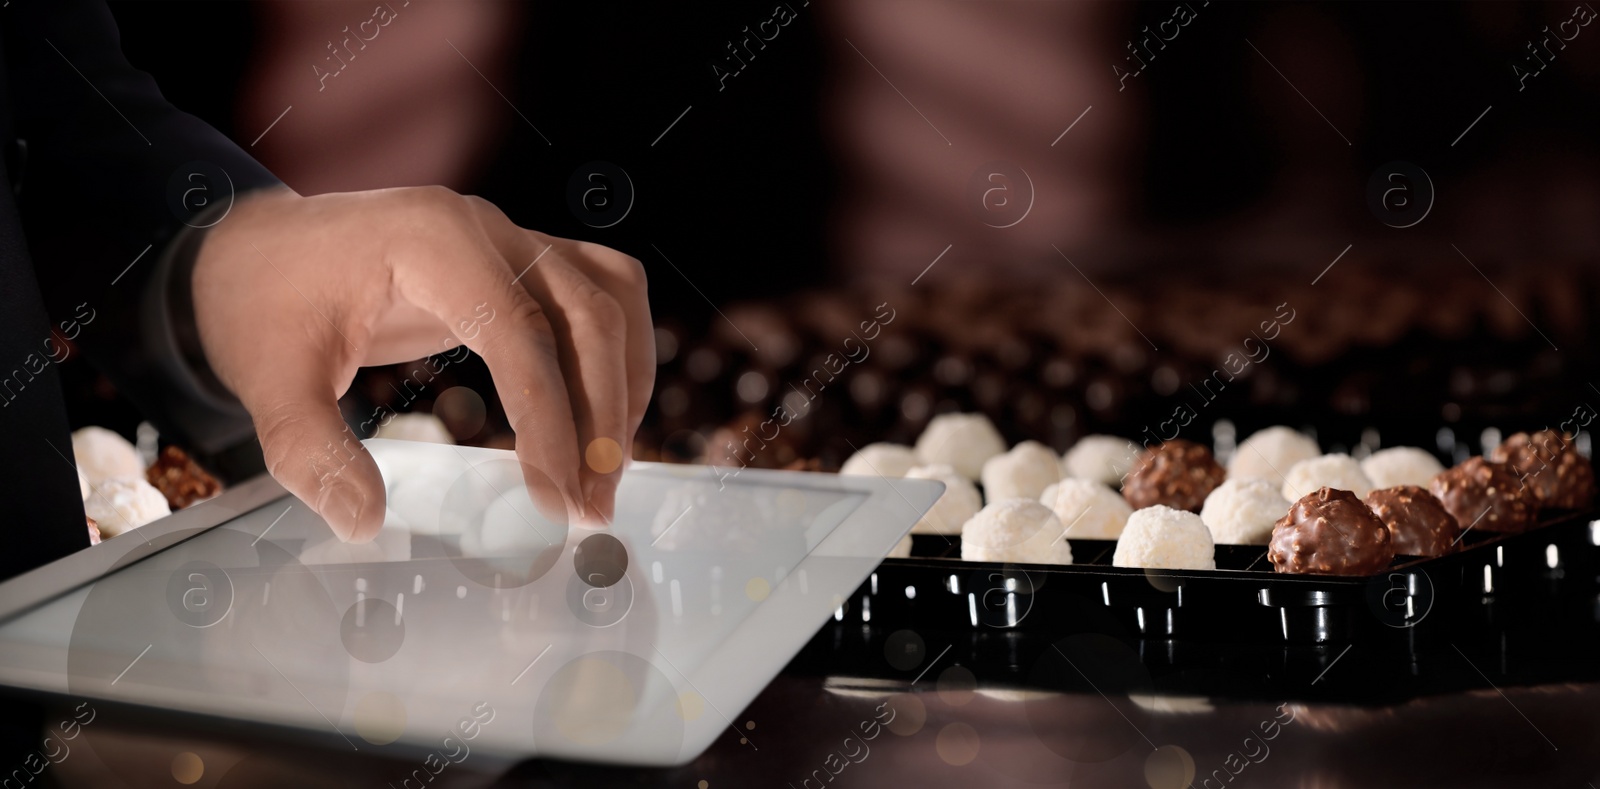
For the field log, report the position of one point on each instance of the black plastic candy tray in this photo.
(1243, 599)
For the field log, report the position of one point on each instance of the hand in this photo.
(293, 294)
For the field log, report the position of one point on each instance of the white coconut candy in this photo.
(959, 502)
(1268, 454)
(1337, 471)
(1104, 459)
(416, 427)
(1088, 509)
(1395, 466)
(1243, 511)
(961, 441)
(102, 454)
(881, 459)
(1022, 473)
(1161, 537)
(121, 504)
(1015, 530)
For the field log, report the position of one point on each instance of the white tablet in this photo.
(473, 622)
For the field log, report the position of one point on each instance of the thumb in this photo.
(312, 452)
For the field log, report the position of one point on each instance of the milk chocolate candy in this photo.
(1418, 524)
(1485, 495)
(1549, 464)
(1330, 532)
(1178, 473)
(180, 479)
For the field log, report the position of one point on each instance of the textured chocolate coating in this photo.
(180, 479)
(1179, 474)
(1418, 524)
(1330, 532)
(1486, 495)
(1549, 464)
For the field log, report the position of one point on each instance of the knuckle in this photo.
(436, 192)
(433, 200)
(631, 271)
(528, 321)
(621, 267)
(484, 208)
(595, 310)
(277, 427)
(529, 315)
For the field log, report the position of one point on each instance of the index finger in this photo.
(461, 279)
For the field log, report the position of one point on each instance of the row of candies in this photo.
(1167, 506)
(125, 486)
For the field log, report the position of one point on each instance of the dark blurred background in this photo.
(797, 165)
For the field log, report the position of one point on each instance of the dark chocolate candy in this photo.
(1178, 473)
(1548, 463)
(1485, 495)
(1418, 524)
(1330, 532)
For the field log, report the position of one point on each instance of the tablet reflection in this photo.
(487, 608)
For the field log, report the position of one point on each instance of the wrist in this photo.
(170, 309)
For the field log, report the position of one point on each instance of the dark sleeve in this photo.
(111, 175)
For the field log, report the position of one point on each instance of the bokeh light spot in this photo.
(188, 768)
(909, 714)
(690, 705)
(957, 744)
(462, 410)
(372, 630)
(1163, 580)
(600, 560)
(904, 649)
(380, 717)
(956, 685)
(604, 455)
(757, 589)
(791, 503)
(608, 701)
(1169, 767)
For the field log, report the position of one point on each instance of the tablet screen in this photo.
(474, 614)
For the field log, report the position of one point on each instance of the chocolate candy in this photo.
(1332, 533)
(1178, 473)
(180, 479)
(1549, 464)
(1418, 523)
(1485, 495)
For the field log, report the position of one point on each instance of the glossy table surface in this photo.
(876, 703)
(943, 673)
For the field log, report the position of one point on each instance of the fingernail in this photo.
(604, 498)
(340, 505)
(587, 486)
(574, 496)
